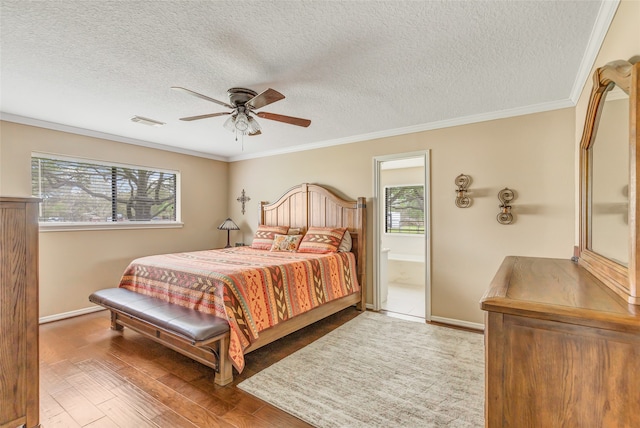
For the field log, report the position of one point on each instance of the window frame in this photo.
(384, 212)
(113, 225)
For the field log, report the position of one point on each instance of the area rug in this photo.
(379, 371)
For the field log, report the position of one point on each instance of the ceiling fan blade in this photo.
(204, 116)
(265, 98)
(286, 119)
(204, 97)
(258, 132)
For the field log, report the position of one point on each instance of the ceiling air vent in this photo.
(146, 121)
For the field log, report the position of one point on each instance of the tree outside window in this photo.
(404, 209)
(77, 191)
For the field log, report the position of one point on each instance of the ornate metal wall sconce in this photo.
(505, 196)
(462, 199)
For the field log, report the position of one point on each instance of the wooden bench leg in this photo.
(114, 325)
(224, 376)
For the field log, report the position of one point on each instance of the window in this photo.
(81, 192)
(404, 209)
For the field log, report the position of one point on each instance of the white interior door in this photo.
(395, 254)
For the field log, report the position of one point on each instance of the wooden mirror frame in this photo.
(621, 279)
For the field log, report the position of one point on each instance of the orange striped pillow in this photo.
(321, 240)
(263, 238)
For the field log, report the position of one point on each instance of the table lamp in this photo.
(228, 225)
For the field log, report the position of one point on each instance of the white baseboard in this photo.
(450, 321)
(71, 314)
(458, 323)
(64, 315)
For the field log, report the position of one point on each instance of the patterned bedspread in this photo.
(252, 289)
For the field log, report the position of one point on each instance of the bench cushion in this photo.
(189, 323)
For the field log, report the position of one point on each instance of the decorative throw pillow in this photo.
(346, 243)
(286, 243)
(294, 231)
(321, 240)
(263, 238)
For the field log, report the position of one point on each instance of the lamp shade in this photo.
(242, 123)
(228, 224)
(254, 126)
(229, 124)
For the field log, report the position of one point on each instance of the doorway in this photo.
(401, 234)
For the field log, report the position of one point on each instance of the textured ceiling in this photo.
(357, 69)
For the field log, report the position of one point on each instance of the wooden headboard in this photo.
(309, 205)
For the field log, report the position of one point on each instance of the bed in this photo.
(215, 306)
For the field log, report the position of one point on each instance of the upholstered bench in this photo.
(198, 335)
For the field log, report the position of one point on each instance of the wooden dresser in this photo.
(561, 349)
(19, 379)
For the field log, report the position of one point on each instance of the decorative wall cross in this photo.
(243, 199)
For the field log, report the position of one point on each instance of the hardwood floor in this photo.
(92, 376)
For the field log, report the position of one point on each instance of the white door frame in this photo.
(377, 234)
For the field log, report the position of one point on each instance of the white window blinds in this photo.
(80, 191)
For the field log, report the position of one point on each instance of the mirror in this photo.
(608, 179)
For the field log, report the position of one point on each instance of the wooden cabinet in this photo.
(561, 348)
(19, 379)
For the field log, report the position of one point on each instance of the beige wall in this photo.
(532, 155)
(73, 264)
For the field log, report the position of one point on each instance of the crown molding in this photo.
(598, 33)
(466, 120)
(8, 117)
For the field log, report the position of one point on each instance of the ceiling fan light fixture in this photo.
(229, 124)
(242, 123)
(254, 126)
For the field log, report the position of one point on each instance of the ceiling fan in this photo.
(243, 103)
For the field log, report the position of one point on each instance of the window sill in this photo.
(80, 226)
